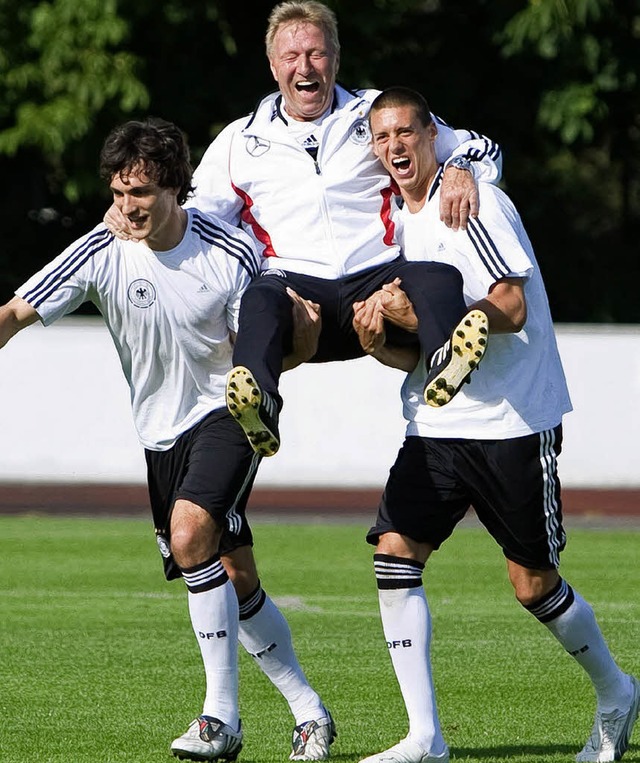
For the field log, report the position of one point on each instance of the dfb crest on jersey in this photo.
(360, 132)
(141, 293)
(257, 146)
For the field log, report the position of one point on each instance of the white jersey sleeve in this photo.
(214, 191)
(493, 246)
(237, 269)
(69, 279)
(484, 154)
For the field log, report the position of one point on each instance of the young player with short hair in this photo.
(494, 446)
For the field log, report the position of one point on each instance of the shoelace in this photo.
(604, 732)
(610, 728)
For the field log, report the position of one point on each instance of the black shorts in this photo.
(266, 316)
(435, 288)
(512, 485)
(211, 465)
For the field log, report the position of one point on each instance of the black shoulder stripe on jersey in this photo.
(76, 259)
(235, 247)
(252, 116)
(491, 149)
(436, 183)
(495, 149)
(486, 249)
(208, 231)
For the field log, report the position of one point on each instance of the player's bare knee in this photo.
(195, 536)
(394, 544)
(531, 585)
(527, 595)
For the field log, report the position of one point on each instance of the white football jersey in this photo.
(519, 388)
(169, 314)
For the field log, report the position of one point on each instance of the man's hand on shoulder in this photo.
(458, 197)
(117, 223)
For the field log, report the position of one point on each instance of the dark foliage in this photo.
(576, 183)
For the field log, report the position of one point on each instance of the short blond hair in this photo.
(303, 11)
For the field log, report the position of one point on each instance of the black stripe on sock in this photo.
(554, 603)
(252, 604)
(205, 576)
(396, 572)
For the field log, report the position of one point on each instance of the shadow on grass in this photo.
(528, 752)
(514, 752)
(503, 753)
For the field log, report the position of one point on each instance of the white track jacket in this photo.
(327, 217)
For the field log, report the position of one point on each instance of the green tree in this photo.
(588, 112)
(61, 65)
(554, 81)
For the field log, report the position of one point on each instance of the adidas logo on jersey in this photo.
(203, 289)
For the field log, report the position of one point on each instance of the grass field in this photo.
(98, 662)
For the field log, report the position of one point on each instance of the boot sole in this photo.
(468, 344)
(243, 397)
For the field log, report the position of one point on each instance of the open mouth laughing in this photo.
(401, 165)
(307, 86)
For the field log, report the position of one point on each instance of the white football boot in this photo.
(611, 732)
(407, 751)
(208, 739)
(311, 740)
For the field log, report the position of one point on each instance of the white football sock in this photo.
(406, 622)
(578, 632)
(213, 607)
(265, 634)
(572, 621)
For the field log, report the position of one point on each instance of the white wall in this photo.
(64, 409)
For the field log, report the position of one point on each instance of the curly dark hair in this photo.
(155, 144)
